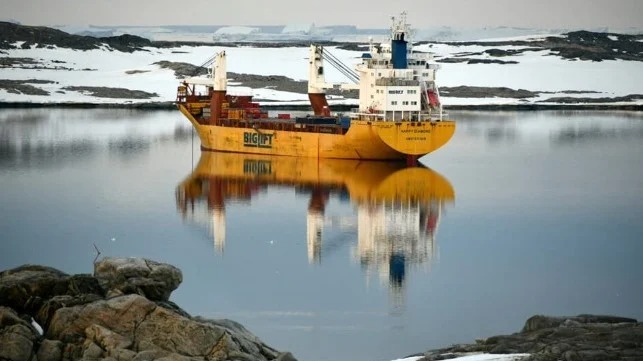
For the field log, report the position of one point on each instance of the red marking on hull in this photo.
(216, 105)
(319, 103)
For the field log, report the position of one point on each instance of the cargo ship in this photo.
(400, 115)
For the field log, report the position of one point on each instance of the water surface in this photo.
(521, 213)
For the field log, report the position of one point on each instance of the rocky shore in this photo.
(574, 338)
(122, 312)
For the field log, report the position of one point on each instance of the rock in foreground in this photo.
(583, 337)
(122, 312)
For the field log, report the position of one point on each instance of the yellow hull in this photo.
(365, 139)
(365, 182)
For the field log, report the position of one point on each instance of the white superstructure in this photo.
(394, 82)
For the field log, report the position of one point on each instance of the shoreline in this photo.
(340, 107)
(584, 337)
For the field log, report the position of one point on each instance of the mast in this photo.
(317, 82)
(220, 86)
(399, 49)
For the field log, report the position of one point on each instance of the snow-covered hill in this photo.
(517, 71)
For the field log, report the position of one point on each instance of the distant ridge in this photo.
(42, 36)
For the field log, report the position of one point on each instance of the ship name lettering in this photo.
(415, 131)
(252, 139)
(257, 167)
(396, 91)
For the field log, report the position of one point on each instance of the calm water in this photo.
(521, 213)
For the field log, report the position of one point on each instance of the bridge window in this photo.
(394, 103)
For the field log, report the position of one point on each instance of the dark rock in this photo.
(571, 356)
(114, 93)
(10, 62)
(154, 280)
(127, 323)
(23, 86)
(247, 341)
(17, 337)
(50, 350)
(539, 322)
(476, 61)
(92, 351)
(27, 288)
(510, 52)
(30, 63)
(490, 61)
(126, 42)
(45, 37)
(586, 45)
(577, 92)
(577, 100)
(467, 54)
(576, 45)
(150, 355)
(182, 69)
(595, 355)
(50, 306)
(486, 92)
(173, 307)
(286, 356)
(545, 338)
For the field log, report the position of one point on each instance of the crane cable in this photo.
(341, 67)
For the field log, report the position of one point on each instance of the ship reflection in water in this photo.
(398, 207)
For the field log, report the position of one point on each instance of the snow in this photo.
(613, 37)
(540, 71)
(478, 357)
(536, 71)
(236, 30)
(298, 29)
(36, 326)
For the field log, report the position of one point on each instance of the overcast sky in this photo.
(363, 13)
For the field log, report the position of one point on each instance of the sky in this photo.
(362, 13)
